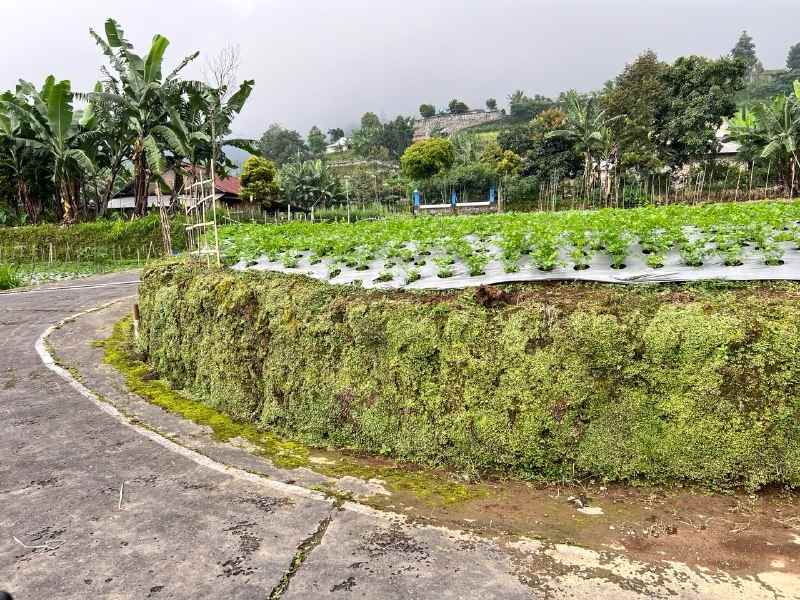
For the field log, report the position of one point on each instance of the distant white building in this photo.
(728, 147)
(340, 145)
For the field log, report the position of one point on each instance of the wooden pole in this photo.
(213, 186)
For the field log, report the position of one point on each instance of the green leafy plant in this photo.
(545, 254)
(9, 277)
(445, 271)
(772, 252)
(413, 275)
(476, 263)
(290, 258)
(510, 262)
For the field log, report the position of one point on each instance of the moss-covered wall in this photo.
(692, 383)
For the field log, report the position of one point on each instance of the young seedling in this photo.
(693, 252)
(616, 245)
(772, 252)
(445, 271)
(655, 260)
(476, 264)
(545, 254)
(510, 262)
(290, 259)
(580, 256)
(384, 276)
(413, 275)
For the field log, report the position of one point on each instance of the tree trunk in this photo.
(24, 199)
(177, 186)
(109, 191)
(68, 203)
(140, 184)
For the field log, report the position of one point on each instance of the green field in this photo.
(697, 232)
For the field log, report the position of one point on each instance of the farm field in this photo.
(756, 240)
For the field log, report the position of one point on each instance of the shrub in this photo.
(99, 239)
(9, 278)
(426, 158)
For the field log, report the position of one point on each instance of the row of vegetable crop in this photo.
(696, 232)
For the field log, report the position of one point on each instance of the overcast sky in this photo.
(327, 62)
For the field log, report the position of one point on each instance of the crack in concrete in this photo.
(303, 550)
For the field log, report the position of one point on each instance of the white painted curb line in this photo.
(196, 457)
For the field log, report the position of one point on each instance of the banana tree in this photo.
(772, 131)
(587, 129)
(147, 100)
(52, 127)
(307, 183)
(17, 157)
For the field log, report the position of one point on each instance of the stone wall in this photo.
(450, 124)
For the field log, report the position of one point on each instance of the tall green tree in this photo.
(457, 107)
(427, 111)
(699, 93)
(335, 134)
(147, 98)
(793, 58)
(427, 158)
(771, 132)
(260, 181)
(491, 104)
(522, 107)
(383, 140)
(316, 141)
(308, 183)
(631, 100)
(281, 145)
(18, 159)
(587, 128)
(53, 128)
(745, 50)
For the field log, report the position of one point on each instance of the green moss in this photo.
(698, 383)
(428, 487)
(140, 380)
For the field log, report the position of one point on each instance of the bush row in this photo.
(95, 240)
(682, 383)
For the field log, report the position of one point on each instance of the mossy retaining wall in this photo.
(665, 383)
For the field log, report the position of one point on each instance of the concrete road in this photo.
(186, 526)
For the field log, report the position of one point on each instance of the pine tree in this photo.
(745, 50)
(793, 59)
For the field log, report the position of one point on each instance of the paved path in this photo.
(185, 528)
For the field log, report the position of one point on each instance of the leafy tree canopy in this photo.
(426, 111)
(426, 158)
(699, 94)
(335, 134)
(457, 107)
(745, 50)
(316, 141)
(491, 104)
(259, 180)
(793, 58)
(383, 140)
(632, 98)
(525, 108)
(308, 183)
(281, 145)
